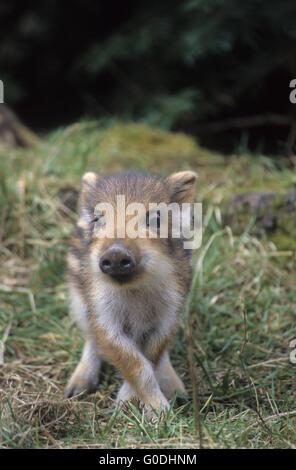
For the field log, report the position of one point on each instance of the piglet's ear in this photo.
(89, 179)
(87, 193)
(182, 186)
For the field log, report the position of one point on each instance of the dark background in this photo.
(218, 69)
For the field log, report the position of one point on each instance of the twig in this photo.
(248, 377)
(194, 386)
(246, 121)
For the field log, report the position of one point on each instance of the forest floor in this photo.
(241, 312)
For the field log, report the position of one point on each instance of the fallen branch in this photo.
(242, 122)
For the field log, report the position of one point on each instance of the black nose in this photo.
(117, 261)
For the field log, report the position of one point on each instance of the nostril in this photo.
(125, 262)
(106, 263)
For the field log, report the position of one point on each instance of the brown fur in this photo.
(129, 324)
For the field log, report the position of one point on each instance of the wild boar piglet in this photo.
(128, 281)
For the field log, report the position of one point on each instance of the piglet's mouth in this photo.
(123, 278)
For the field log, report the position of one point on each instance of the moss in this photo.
(270, 216)
(144, 147)
(284, 233)
(284, 241)
(284, 236)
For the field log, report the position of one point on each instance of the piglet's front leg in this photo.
(134, 367)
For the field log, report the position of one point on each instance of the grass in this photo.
(234, 335)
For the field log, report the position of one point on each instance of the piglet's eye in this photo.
(98, 219)
(153, 219)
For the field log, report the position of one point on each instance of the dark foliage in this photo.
(176, 63)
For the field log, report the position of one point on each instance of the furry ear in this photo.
(87, 194)
(90, 178)
(182, 186)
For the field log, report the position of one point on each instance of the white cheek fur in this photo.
(78, 309)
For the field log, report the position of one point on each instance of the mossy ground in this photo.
(241, 310)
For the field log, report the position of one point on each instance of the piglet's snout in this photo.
(117, 261)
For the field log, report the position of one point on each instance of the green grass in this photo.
(238, 323)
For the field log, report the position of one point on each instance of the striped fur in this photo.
(129, 324)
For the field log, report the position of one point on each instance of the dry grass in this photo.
(241, 310)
